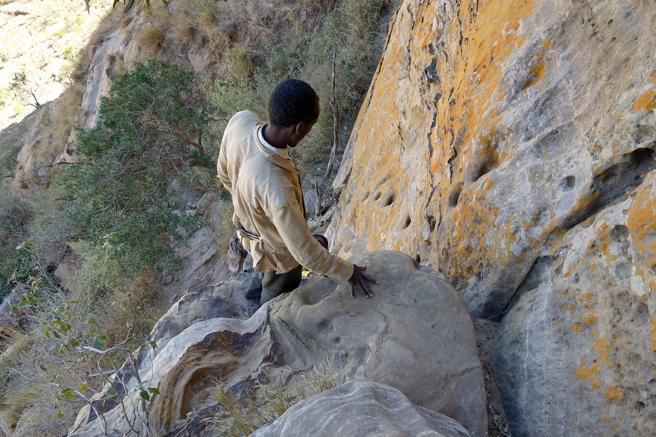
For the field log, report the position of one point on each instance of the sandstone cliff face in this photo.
(490, 126)
(512, 145)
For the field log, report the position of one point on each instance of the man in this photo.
(255, 166)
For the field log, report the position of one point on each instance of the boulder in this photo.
(415, 335)
(361, 408)
(490, 125)
(576, 353)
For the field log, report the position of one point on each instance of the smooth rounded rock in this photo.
(361, 408)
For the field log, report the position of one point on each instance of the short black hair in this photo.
(292, 102)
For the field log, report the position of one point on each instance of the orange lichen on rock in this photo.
(613, 393)
(576, 327)
(589, 373)
(641, 221)
(602, 347)
(589, 319)
(537, 71)
(646, 102)
(466, 116)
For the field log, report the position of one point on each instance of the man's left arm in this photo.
(287, 216)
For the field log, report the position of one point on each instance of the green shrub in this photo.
(148, 135)
(15, 216)
(288, 47)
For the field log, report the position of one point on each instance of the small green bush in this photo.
(15, 215)
(289, 47)
(148, 135)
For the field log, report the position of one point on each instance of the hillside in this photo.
(497, 175)
(40, 49)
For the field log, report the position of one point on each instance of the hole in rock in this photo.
(454, 196)
(388, 200)
(431, 222)
(366, 196)
(405, 222)
(481, 166)
(376, 196)
(567, 183)
(382, 181)
(615, 182)
(620, 233)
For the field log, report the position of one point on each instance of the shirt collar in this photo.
(282, 152)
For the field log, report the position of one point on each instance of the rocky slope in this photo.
(512, 145)
(416, 331)
(42, 46)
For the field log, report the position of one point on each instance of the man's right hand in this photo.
(361, 280)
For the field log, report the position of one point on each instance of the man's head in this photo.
(293, 109)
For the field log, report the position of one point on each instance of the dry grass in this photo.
(150, 40)
(242, 416)
(100, 310)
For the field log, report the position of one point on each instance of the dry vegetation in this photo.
(46, 39)
(242, 415)
(245, 48)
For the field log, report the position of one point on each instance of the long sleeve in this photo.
(288, 219)
(222, 165)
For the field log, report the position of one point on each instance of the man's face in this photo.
(300, 131)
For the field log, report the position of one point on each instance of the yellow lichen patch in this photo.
(576, 327)
(652, 79)
(613, 393)
(570, 308)
(586, 296)
(538, 68)
(589, 320)
(589, 373)
(537, 71)
(641, 221)
(602, 347)
(605, 418)
(646, 102)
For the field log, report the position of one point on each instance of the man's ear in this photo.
(300, 127)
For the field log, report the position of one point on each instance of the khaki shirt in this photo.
(268, 202)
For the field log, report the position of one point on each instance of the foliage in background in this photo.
(123, 203)
(261, 43)
(15, 215)
(149, 133)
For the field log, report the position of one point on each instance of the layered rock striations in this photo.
(361, 408)
(415, 336)
(512, 145)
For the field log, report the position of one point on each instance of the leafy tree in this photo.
(147, 139)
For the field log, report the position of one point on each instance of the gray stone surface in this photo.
(576, 353)
(489, 126)
(361, 408)
(415, 335)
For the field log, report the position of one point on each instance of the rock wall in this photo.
(511, 144)
(575, 354)
(491, 126)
